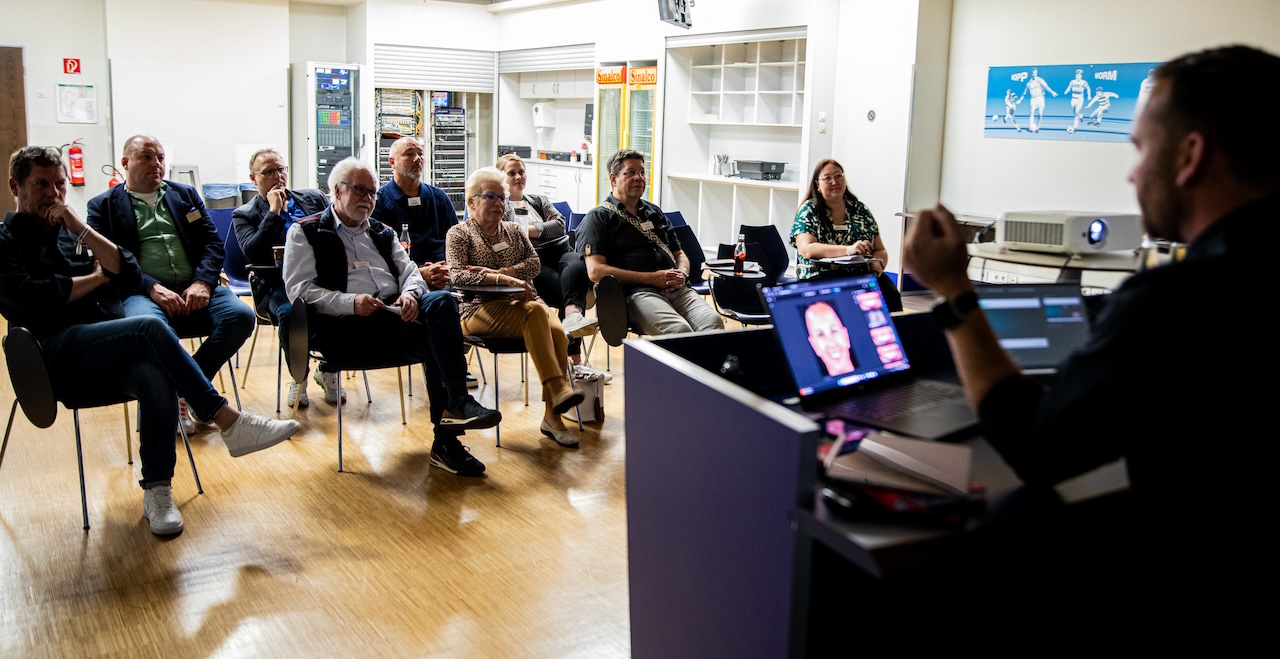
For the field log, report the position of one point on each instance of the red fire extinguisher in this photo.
(76, 155)
(113, 173)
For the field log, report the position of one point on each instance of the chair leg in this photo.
(339, 423)
(367, 393)
(497, 404)
(249, 360)
(84, 499)
(234, 389)
(577, 409)
(279, 375)
(404, 420)
(128, 436)
(524, 375)
(7, 429)
(410, 369)
(192, 458)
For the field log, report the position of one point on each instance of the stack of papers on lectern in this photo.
(901, 463)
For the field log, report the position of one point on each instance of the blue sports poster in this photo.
(1073, 102)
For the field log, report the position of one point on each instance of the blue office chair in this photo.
(775, 258)
(563, 208)
(574, 220)
(697, 258)
(221, 220)
(676, 218)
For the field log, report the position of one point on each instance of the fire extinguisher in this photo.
(113, 173)
(76, 155)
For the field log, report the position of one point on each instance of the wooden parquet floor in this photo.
(283, 556)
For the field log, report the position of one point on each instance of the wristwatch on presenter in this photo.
(948, 313)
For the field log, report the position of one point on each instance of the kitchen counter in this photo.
(529, 162)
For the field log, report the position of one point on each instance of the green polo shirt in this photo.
(160, 253)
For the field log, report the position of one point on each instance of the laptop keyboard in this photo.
(897, 403)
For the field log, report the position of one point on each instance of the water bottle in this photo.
(740, 255)
(405, 240)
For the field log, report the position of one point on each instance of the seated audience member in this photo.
(407, 201)
(831, 223)
(92, 351)
(350, 268)
(261, 226)
(166, 226)
(631, 239)
(563, 282)
(1194, 530)
(487, 250)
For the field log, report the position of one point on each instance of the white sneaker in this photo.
(298, 390)
(329, 382)
(159, 508)
(584, 372)
(253, 432)
(577, 326)
(184, 417)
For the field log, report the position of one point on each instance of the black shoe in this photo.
(611, 310)
(472, 382)
(467, 414)
(455, 458)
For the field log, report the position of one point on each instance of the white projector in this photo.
(1068, 232)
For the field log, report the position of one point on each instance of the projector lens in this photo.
(1097, 231)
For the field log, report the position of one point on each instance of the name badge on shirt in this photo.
(842, 228)
(415, 201)
(360, 264)
(647, 225)
(194, 215)
(498, 247)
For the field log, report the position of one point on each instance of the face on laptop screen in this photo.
(1038, 324)
(834, 333)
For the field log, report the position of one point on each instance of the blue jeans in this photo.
(135, 358)
(434, 340)
(226, 323)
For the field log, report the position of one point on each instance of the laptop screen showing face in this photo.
(1037, 324)
(835, 333)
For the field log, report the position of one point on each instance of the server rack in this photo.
(449, 153)
(398, 113)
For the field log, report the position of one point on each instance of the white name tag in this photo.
(415, 201)
(842, 228)
(194, 215)
(498, 247)
(360, 264)
(647, 226)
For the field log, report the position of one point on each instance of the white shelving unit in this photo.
(744, 99)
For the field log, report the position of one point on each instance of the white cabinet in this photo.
(570, 83)
(754, 83)
(573, 183)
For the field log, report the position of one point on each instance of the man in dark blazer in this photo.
(260, 227)
(165, 225)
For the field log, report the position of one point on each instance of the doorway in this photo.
(13, 112)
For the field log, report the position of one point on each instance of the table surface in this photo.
(1123, 261)
(488, 288)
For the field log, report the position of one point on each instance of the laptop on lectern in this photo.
(1039, 325)
(847, 360)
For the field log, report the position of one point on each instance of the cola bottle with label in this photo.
(740, 255)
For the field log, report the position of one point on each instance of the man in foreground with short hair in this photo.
(166, 226)
(630, 239)
(351, 270)
(261, 226)
(1171, 380)
(94, 353)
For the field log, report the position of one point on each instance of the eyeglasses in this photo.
(361, 190)
(832, 177)
(491, 197)
(274, 171)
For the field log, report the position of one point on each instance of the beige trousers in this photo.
(534, 322)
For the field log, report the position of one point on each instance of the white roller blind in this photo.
(580, 56)
(417, 67)
(773, 34)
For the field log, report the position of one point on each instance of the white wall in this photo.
(76, 33)
(317, 33)
(202, 76)
(989, 176)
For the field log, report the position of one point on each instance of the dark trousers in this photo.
(564, 281)
(433, 340)
(132, 358)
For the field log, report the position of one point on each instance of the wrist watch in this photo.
(948, 313)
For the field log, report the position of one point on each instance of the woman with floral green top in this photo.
(832, 223)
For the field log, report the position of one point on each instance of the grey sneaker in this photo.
(578, 326)
(298, 390)
(467, 414)
(159, 508)
(472, 382)
(329, 382)
(253, 432)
